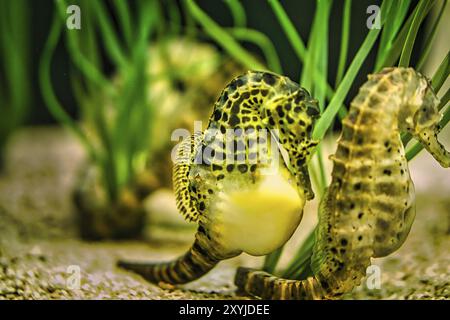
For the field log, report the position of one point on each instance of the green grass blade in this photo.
(301, 258)
(262, 41)
(419, 16)
(124, 16)
(345, 35)
(271, 260)
(175, 17)
(391, 29)
(441, 75)
(444, 100)
(238, 13)
(223, 38)
(113, 48)
(394, 52)
(88, 69)
(289, 29)
(430, 38)
(46, 88)
(330, 112)
(298, 45)
(14, 64)
(190, 29)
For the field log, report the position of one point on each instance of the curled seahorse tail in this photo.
(266, 286)
(192, 265)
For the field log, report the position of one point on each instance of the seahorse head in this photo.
(293, 116)
(420, 115)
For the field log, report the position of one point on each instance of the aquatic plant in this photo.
(127, 117)
(14, 66)
(396, 35)
(116, 117)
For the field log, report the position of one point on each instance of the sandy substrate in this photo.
(41, 254)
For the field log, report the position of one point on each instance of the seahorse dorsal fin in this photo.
(184, 159)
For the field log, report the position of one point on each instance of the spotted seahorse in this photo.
(245, 179)
(368, 209)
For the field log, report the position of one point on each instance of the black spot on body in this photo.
(269, 79)
(242, 168)
(239, 82)
(312, 112)
(382, 224)
(217, 115)
(225, 116)
(280, 111)
(236, 106)
(232, 87)
(234, 120)
(245, 119)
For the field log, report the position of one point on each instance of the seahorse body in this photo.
(368, 209)
(223, 181)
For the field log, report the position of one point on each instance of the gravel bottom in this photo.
(77, 270)
(40, 252)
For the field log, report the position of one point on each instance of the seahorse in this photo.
(223, 179)
(368, 208)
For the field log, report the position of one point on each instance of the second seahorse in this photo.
(368, 208)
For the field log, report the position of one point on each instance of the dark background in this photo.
(259, 16)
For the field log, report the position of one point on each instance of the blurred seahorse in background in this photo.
(368, 209)
(222, 177)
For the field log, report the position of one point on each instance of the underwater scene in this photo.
(224, 150)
